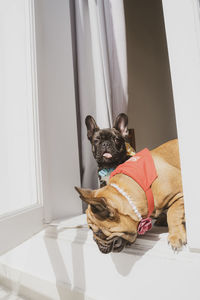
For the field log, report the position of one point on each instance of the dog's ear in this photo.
(121, 124)
(98, 205)
(91, 126)
(84, 193)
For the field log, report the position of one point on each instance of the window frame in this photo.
(57, 110)
(55, 125)
(182, 24)
(18, 225)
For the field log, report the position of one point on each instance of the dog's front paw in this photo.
(177, 240)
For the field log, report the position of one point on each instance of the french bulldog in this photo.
(109, 145)
(111, 217)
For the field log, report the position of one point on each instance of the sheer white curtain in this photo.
(102, 70)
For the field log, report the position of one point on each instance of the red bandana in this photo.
(140, 168)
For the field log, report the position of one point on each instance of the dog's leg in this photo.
(176, 222)
(161, 220)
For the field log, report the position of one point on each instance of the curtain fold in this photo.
(102, 71)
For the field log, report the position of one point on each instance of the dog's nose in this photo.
(105, 144)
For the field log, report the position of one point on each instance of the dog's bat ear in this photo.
(102, 210)
(84, 193)
(91, 126)
(98, 205)
(121, 124)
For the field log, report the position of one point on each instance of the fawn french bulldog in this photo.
(120, 211)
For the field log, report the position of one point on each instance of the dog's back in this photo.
(169, 152)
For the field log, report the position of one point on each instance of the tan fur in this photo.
(167, 191)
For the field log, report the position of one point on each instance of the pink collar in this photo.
(141, 169)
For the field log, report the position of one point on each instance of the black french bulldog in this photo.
(108, 145)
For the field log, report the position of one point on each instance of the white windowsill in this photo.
(64, 260)
(153, 242)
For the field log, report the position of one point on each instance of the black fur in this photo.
(109, 140)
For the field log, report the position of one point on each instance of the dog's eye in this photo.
(96, 140)
(117, 141)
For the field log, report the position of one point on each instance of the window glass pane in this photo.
(17, 159)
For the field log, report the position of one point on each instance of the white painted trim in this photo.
(57, 109)
(35, 104)
(19, 226)
(182, 23)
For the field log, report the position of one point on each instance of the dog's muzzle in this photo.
(116, 244)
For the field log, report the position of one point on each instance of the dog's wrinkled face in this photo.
(108, 145)
(110, 219)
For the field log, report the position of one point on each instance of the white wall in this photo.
(151, 107)
(183, 37)
(57, 112)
